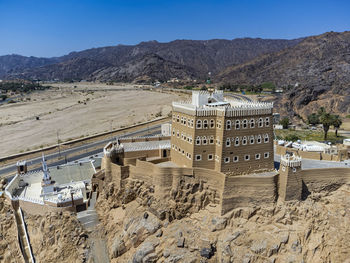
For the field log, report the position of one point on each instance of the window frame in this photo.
(196, 157)
(252, 121)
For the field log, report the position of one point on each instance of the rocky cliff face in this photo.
(57, 237)
(313, 230)
(315, 72)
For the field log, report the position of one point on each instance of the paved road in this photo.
(86, 149)
(238, 96)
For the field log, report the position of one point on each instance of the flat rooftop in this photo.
(167, 164)
(148, 145)
(72, 173)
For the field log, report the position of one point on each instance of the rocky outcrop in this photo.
(314, 230)
(57, 237)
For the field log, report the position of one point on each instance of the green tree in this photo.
(321, 111)
(313, 119)
(268, 86)
(326, 119)
(337, 122)
(292, 137)
(285, 122)
(3, 97)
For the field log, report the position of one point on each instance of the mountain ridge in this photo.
(202, 55)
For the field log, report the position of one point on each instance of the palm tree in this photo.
(326, 119)
(337, 122)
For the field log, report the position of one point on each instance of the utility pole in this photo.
(58, 145)
(111, 129)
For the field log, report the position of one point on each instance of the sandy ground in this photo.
(60, 111)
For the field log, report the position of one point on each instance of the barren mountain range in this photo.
(317, 71)
(314, 71)
(150, 60)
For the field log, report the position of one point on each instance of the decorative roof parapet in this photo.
(235, 109)
(291, 161)
(113, 147)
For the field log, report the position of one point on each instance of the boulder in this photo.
(118, 247)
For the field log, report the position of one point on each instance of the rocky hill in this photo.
(147, 60)
(315, 72)
(188, 229)
(11, 64)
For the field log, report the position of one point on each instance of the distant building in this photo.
(276, 118)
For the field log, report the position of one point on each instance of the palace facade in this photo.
(227, 136)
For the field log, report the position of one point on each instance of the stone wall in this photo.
(38, 209)
(245, 191)
(325, 179)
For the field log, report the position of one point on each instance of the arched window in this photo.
(258, 140)
(228, 142)
(178, 118)
(237, 141)
(252, 123)
(260, 122)
(218, 140)
(212, 123)
(199, 124)
(178, 134)
(228, 125)
(244, 140)
(218, 124)
(174, 117)
(205, 124)
(237, 124)
(266, 138)
(185, 120)
(211, 140)
(182, 120)
(245, 124)
(198, 140)
(252, 139)
(182, 136)
(267, 122)
(204, 140)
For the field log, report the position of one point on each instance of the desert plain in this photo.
(76, 110)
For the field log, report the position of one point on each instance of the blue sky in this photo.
(56, 27)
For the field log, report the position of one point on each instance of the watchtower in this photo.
(290, 181)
